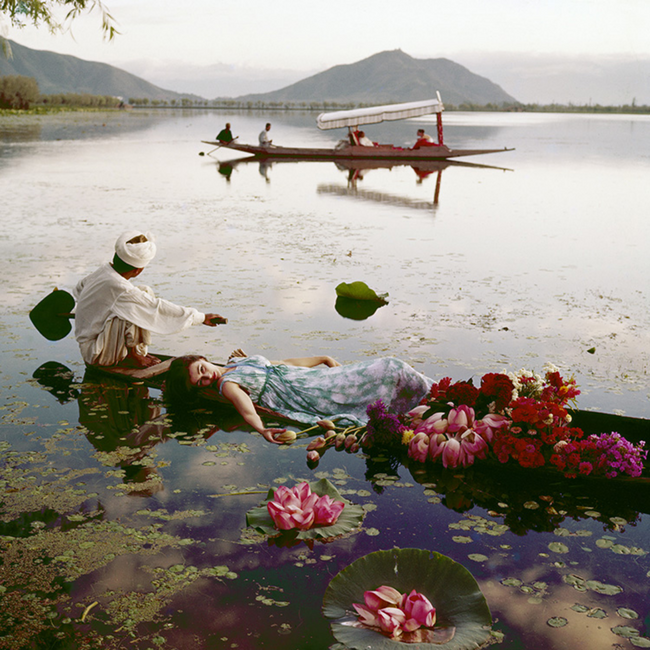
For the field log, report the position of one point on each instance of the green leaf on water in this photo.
(359, 291)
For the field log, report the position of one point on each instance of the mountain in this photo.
(61, 73)
(388, 77)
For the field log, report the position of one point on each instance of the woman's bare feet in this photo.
(237, 354)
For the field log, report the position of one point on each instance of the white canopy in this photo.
(376, 114)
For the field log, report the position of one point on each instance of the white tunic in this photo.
(105, 295)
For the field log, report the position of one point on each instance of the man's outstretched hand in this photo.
(212, 320)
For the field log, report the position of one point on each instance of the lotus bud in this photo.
(326, 424)
(313, 456)
(354, 448)
(350, 439)
(316, 443)
(286, 436)
(339, 441)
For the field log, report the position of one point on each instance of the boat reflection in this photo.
(356, 170)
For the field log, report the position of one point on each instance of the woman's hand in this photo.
(270, 433)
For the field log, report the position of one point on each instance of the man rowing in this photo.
(114, 318)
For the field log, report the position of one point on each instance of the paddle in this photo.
(51, 317)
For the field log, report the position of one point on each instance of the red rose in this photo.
(497, 387)
(462, 392)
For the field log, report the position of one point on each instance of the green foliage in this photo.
(41, 12)
(80, 100)
(18, 92)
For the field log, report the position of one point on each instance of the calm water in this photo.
(542, 256)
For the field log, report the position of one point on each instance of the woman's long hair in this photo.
(178, 389)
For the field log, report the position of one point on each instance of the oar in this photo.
(51, 317)
(218, 146)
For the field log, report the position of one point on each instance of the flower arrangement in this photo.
(517, 417)
(394, 613)
(300, 508)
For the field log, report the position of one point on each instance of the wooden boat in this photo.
(50, 374)
(351, 149)
(355, 152)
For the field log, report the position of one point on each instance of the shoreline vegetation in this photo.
(20, 95)
(67, 105)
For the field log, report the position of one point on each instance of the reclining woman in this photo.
(305, 390)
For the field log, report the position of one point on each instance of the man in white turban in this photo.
(114, 318)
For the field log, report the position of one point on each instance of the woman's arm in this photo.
(242, 402)
(310, 362)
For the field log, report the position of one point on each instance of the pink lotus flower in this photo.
(417, 413)
(300, 508)
(471, 446)
(436, 446)
(489, 424)
(419, 447)
(436, 423)
(419, 611)
(451, 452)
(391, 620)
(461, 418)
(393, 613)
(327, 511)
(383, 596)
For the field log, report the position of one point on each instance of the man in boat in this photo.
(114, 319)
(424, 140)
(264, 136)
(225, 135)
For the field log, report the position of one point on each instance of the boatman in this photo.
(114, 318)
(225, 135)
(264, 136)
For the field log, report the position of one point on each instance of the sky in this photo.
(536, 50)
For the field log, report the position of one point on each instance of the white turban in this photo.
(135, 248)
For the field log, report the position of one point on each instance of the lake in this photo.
(122, 526)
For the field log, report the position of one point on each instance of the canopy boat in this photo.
(351, 148)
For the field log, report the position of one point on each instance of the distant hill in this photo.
(388, 77)
(61, 73)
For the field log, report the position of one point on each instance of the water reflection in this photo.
(356, 170)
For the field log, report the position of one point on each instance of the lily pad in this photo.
(359, 291)
(349, 519)
(463, 616)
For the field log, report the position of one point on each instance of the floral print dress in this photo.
(341, 394)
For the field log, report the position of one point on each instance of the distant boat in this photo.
(351, 147)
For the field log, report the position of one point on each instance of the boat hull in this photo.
(378, 152)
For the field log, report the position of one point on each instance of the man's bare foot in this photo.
(133, 360)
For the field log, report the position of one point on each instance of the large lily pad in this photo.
(51, 317)
(350, 518)
(460, 606)
(359, 291)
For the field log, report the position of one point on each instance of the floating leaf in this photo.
(625, 631)
(557, 621)
(558, 547)
(359, 291)
(460, 606)
(624, 612)
(349, 519)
